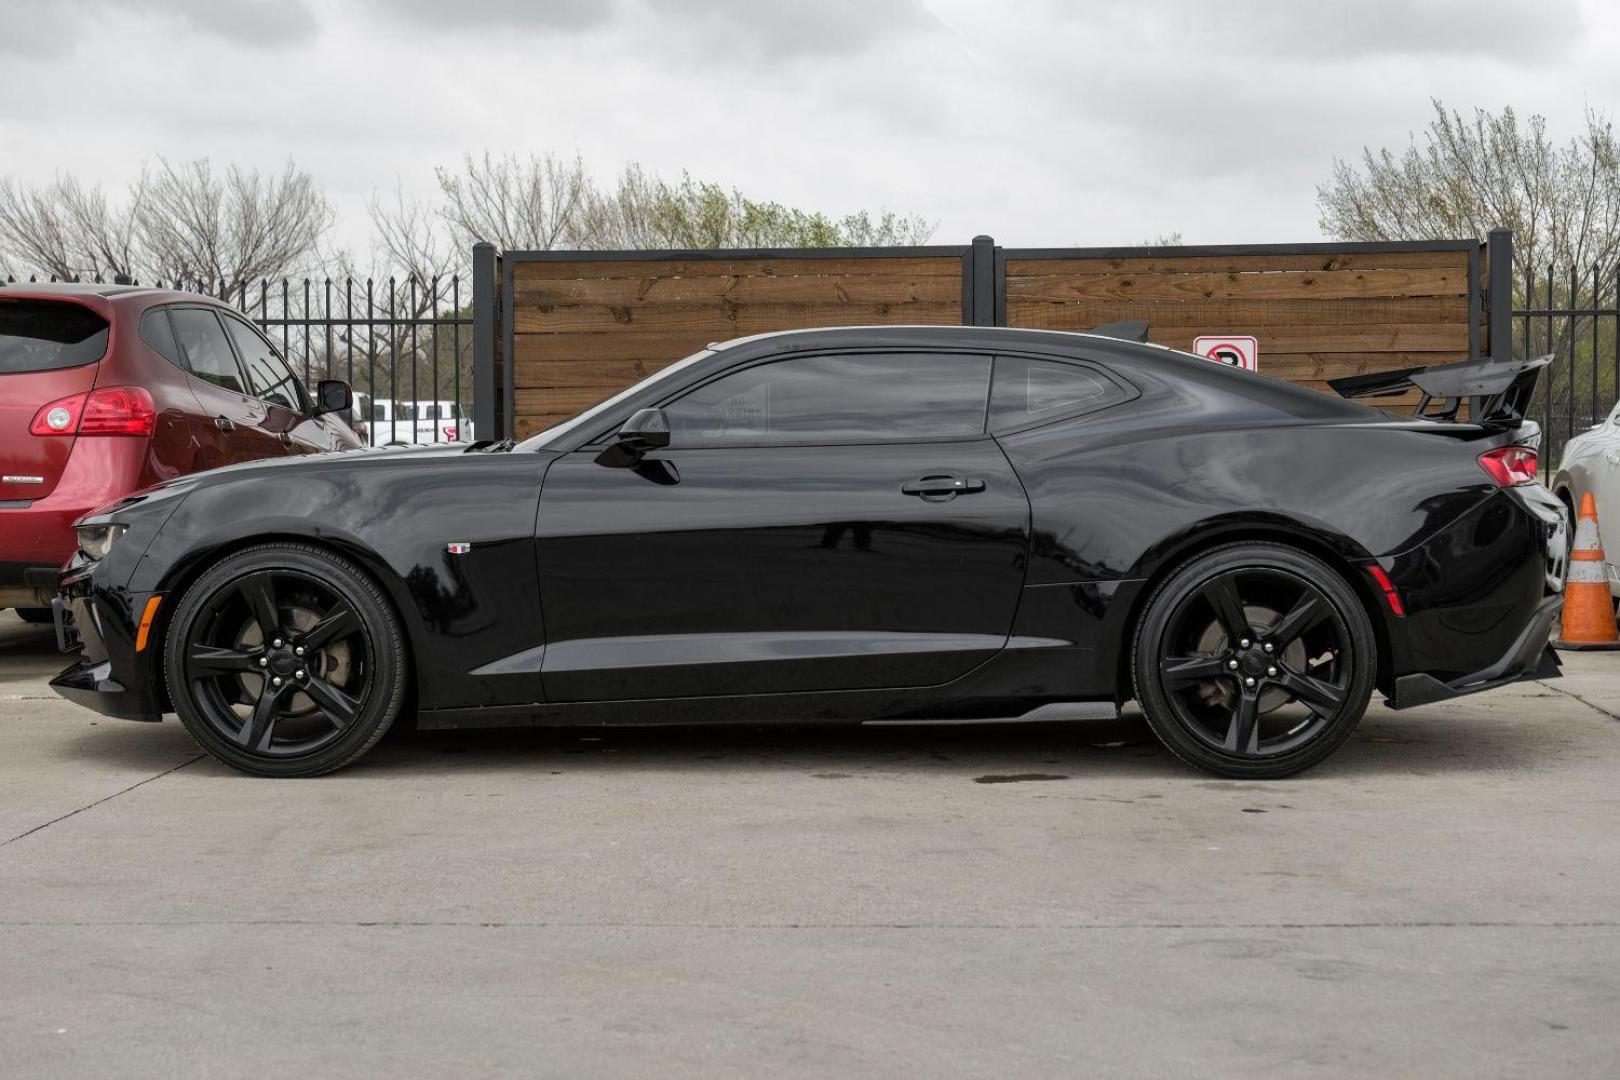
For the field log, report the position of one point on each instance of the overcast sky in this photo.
(1040, 122)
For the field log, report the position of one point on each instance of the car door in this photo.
(824, 522)
(220, 388)
(1602, 467)
(271, 381)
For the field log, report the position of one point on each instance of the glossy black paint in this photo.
(804, 582)
(677, 578)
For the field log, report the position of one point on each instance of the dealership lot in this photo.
(1438, 899)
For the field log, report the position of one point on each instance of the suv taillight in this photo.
(112, 410)
(1510, 466)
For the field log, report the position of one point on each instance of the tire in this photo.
(338, 672)
(1272, 707)
(39, 616)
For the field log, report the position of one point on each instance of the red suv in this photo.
(106, 389)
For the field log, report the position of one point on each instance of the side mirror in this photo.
(333, 396)
(647, 430)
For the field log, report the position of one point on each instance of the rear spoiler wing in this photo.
(1497, 391)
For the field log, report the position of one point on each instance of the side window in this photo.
(844, 398)
(159, 336)
(203, 345)
(269, 376)
(1029, 392)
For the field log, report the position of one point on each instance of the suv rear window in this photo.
(44, 335)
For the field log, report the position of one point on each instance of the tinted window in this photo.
(204, 347)
(43, 335)
(268, 374)
(853, 398)
(1034, 391)
(159, 336)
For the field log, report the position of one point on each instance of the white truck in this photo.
(384, 422)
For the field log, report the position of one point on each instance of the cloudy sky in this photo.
(1039, 121)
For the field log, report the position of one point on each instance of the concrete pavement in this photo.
(1442, 898)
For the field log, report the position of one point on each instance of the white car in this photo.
(437, 421)
(1591, 463)
(384, 422)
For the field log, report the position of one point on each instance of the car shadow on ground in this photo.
(1416, 743)
(1425, 741)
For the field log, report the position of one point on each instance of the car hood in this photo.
(355, 459)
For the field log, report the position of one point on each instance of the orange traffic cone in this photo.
(1588, 621)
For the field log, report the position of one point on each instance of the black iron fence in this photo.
(404, 345)
(1574, 315)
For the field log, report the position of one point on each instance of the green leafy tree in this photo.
(1468, 176)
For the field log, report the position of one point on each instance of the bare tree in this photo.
(194, 226)
(537, 204)
(65, 229)
(177, 223)
(1468, 177)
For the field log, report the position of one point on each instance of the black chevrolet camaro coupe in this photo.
(860, 524)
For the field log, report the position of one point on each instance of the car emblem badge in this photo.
(458, 547)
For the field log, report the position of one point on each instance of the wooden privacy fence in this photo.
(572, 328)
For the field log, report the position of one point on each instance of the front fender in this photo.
(461, 611)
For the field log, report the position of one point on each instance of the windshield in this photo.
(541, 439)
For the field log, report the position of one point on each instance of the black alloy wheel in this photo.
(285, 660)
(1254, 661)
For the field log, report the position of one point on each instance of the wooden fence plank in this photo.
(1232, 314)
(940, 265)
(731, 321)
(1183, 264)
(1284, 285)
(737, 289)
(609, 345)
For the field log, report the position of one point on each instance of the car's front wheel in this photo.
(1254, 661)
(285, 660)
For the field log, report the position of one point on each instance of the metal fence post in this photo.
(1499, 269)
(981, 306)
(486, 416)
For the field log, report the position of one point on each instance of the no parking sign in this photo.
(1233, 350)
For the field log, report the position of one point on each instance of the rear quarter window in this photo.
(1030, 392)
(45, 335)
(159, 336)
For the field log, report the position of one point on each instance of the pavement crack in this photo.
(1594, 706)
(107, 798)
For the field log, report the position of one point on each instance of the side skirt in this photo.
(885, 707)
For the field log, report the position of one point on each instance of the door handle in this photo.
(934, 487)
(284, 438)
(225, 424)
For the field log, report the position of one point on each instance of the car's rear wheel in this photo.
(285, 660)
(1254, 661)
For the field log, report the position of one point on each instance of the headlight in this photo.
(96, 540)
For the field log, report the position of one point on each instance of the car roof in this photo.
(71, 288)
(924, 334)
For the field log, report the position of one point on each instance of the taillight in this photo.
(59, 417)
(1510, 466)
(112, 410)
(119, 410)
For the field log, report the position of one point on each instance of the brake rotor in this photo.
(1214, 641)
(332, 662)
